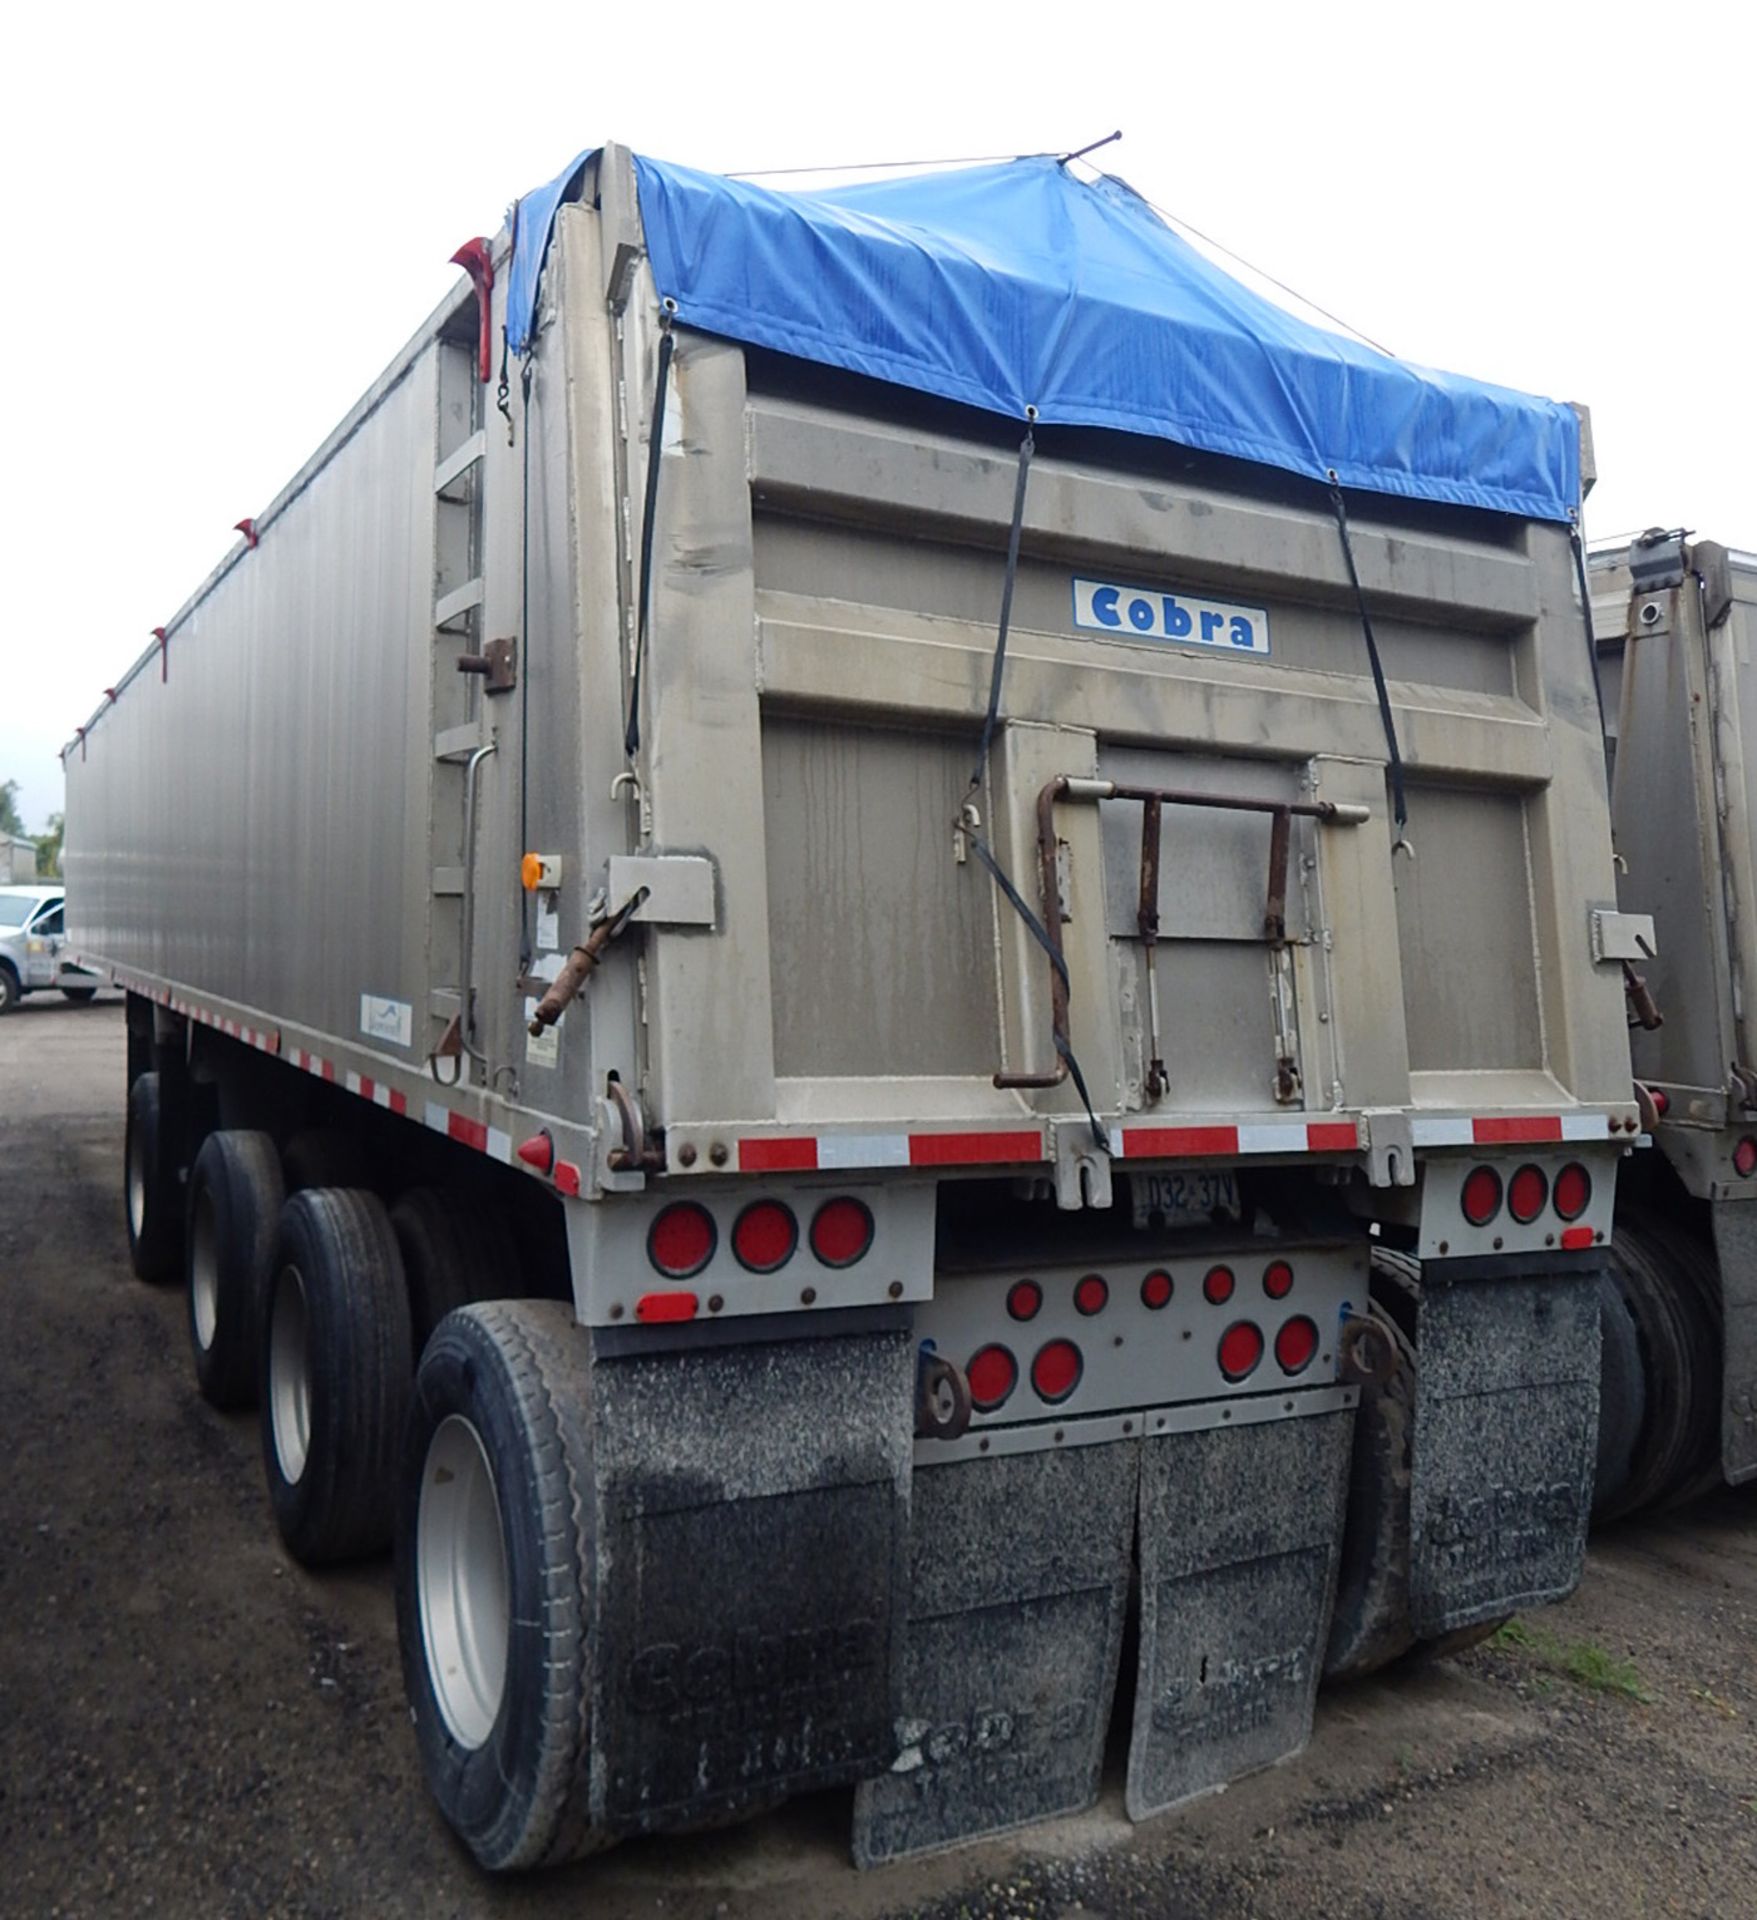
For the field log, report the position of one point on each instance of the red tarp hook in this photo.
(476, 260)
(81, 732)
(247, 527)
(160, 635)
(110, 695)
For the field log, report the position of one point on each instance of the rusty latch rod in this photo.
(570, 982)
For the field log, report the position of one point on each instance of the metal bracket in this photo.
(1621, 936)
(679, 887)
(1657, 560)
(1082, 1172)
(1390, 1147)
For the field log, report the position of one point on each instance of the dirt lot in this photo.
(190, 1724)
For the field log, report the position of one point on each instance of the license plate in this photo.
(1184, 1199)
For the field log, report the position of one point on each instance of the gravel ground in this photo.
(191, 1724)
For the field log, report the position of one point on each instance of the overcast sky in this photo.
(223, 221)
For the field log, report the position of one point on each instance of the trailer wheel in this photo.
(455, 1252)
(80, 996)
(335, 1375)
(150, 1198)
(493, 1581)
(235, 1201)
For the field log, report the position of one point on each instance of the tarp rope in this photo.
(631, 735)
(1579, 546)
(973, 839)
(1399, 806)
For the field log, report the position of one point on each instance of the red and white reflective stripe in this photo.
(836, 1152)
(1507, 1130)
(1235, 1141)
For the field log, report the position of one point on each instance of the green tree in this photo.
(49, 847)
(10, 822)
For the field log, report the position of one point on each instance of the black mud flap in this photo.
(1020, 1581)
(1735, 1246)
(1505, 1445)
(751, 1522)
(1239, 1536)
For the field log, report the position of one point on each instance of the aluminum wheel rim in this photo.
(136, 1184)
(204, 1272)
(289, 1375)
(460, 1570)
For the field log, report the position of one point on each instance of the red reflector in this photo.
(1574, 1238)
(1278, 1280)
(1156, 1290)
(1745, 1158)
(1295, 1344)
(1055, 1373)
(538, 1152)
(992, 1374)
(841, 1232)
(764, 1236)
(1526, 1193)
(1573, 1194)
(1024, 1298)
(1241, 1347)
(665, 1306)
(1218, 1286)
(1091, 1294)
(1482, 1196)
(682, 1240)
(1662, 1102)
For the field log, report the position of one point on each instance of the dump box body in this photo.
(705, 634)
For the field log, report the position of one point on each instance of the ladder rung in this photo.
(456, 464)
(453, 606)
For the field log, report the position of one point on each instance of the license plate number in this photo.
(1184, 1199)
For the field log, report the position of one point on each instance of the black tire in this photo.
(514, 1785)
(80, 996)
(455, 1252)
(323, 1157)
(235, 1200)
(11, 993)
(150, 1199)
(335, 1375)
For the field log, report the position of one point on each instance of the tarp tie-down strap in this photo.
(1579, 546)
(972, 838)
(631, 737)
(1399, 806)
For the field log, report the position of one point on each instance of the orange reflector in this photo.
(665, 1306)
(531, 872)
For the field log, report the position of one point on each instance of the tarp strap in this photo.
(1399, 806)
(1027, 447)
(631, 737)
(1579, 546)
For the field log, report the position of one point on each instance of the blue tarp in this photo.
(1020, 285)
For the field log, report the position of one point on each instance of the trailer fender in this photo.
(1735, 1243)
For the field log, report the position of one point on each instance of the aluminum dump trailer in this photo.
(778, 1004)
(1676, 620)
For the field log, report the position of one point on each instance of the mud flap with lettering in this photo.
(1239, 1536)
(751, 1521)
(1735, 1246)
(1506, 1437)
(1019, 1585)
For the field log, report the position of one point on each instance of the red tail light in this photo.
(992, 1374)
(1056, 1371)
(1482, 1196)
(682, 1240)
(1217, 1287)
(1745, 1158)
(1295, 1345)
(1241, 1347)
(1278, 1280)
(841, 1232)
(1526, 1193)
(1091, 1294)
(1573, 1193)
(1024, 1299)
(1156, 1290)
(764, 1236)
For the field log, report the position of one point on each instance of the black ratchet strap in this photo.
(1399, 806)
(631, 737)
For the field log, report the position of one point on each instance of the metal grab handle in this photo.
(1336, 813)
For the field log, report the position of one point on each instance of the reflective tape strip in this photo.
(1585, 1126)
(1529, 1129)
(836, 1150)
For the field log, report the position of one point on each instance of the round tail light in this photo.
(841, 1232)
(1024, 1299)
(1091, 1294)
(1526, 1193)
(682, 1239)
(1573, 1194)
(1295, 1345)
(1241, 1347)
(1278, 1280)
(1156, 1290)
(1217, 1286)
(1481, 1199)
(1745, 1158)
(992, 1374)
(1056, 1371)
(764, 1236)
